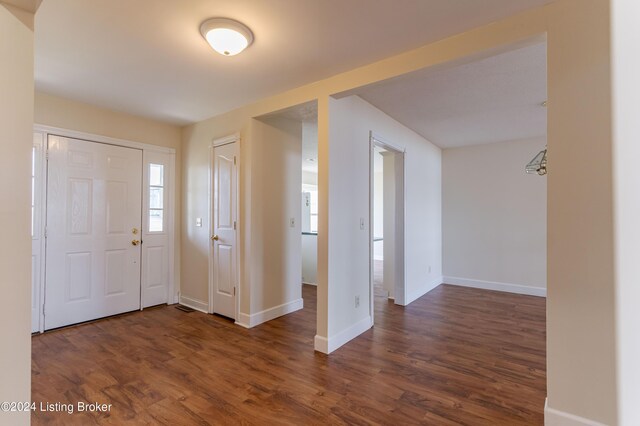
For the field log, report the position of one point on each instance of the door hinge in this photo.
(46, 155)
(234, 160)
(45, 232)
(234, 225)
(234, 291)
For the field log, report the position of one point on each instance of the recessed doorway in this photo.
(387, 278)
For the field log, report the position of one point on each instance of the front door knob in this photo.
(215, 238)
(135, 242)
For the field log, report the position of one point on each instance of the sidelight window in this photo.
(156, 197)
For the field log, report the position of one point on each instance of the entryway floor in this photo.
(455, 356)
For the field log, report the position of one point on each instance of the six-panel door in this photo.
(94, 217)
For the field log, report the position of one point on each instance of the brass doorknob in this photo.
(135, 242)
(215, 238)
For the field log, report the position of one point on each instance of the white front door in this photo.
(224, 273)
(94, 210)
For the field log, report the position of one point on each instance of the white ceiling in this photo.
(147, 57)
(491, 100)
(310, 146)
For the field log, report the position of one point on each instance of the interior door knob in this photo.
(135, 242)
(215, 238)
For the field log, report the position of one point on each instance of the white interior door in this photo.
(37, 232)
(94, 210)
(224, 273)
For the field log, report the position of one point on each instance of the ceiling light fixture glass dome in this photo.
(226, 36)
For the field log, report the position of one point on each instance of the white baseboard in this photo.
(244, 320)
(198, 305)
(553, 417)
(416, 294)
(249, 321)
(326, 346)
(321, 344)
(496, 286)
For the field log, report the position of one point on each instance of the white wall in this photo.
(378, 214)
(309, 259)
(494, 221)
(626, 98)
(16, 136)
(350, 120)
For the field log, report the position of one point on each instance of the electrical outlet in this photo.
(292, 222)
(357, 301)
(362, 223)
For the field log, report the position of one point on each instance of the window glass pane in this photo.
(33, 191)
(156, 175)
(33, 222)
(155, 220)
(156, 198)
(33, 161)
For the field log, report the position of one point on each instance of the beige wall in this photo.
(275, 270)
(494, 217)
(581, 283)
(581, 339)
(68, 114)
(16, 136)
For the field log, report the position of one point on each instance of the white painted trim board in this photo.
(249, 321)
(198, 305)
(326, 346)
(496, 286)
(553, 417)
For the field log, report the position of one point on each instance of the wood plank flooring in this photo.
(455, 356)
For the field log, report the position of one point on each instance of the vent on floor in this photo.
(185, 308)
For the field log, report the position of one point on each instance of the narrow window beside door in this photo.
(156, 197)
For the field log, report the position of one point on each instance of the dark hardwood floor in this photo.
(455, 356)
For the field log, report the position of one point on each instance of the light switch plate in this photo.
(199, 222)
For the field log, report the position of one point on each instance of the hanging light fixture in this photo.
(226, 36)
(538, 164)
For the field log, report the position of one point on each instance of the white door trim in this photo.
(234, 138)
(92, 137)
(40, 214)
(400, 292)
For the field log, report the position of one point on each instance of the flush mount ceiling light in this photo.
(226, 36)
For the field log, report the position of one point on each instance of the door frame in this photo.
(400, 290)
(46, 131)
(234, 138)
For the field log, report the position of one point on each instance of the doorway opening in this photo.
(387, 277)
